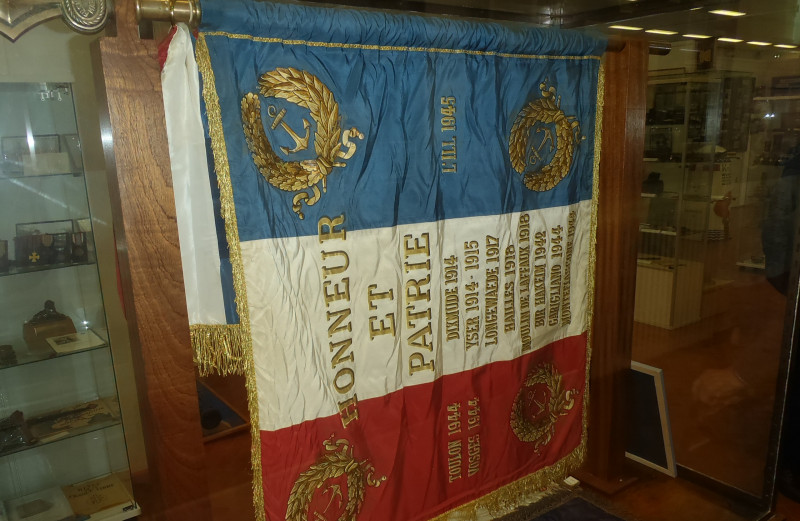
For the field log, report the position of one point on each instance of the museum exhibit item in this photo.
(406, 256)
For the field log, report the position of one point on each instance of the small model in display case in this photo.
(45, 324)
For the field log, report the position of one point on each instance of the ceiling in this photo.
(773, 21)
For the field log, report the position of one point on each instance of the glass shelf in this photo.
(662, 195)
(4, 177)
(656, 231)
(777, 98)
(29, 357)
(751, 264)
(46, 430)
(678, 163)
(33, 269)
(701, 198)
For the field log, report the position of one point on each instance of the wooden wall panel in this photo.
(621, 170)
(135, 143)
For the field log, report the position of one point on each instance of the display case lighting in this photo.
(725, 12)
(760, 44)
(730, 40)
(625, 27)
(785, 46)
(661, 31)
(696, 36)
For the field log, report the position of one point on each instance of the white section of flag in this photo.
(195, 211)
(297, 377)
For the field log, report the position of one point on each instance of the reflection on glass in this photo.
(720, 188)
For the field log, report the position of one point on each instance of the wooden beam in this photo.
(140, 183)
(621, 170)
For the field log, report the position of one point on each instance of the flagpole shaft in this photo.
(188, 12)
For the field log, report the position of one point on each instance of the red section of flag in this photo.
(163, 48)
(439, 445)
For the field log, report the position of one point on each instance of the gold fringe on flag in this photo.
(228, 211)
(219, 349)
(508, 498)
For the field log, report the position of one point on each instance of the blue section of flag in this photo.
(225, 268)
(402, 170)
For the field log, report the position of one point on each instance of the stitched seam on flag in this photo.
(228, 211)
(308, 43)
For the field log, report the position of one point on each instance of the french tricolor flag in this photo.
(386, 224)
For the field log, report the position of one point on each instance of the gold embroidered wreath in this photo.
(305, 90)
(334, 462)
(541, 431)
(543, 110)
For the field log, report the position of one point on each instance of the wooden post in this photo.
(621, 170)
(143, 207)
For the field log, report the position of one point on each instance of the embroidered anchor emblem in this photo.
(308, 178)
(277, 119)
(562, 132)
(548, 136)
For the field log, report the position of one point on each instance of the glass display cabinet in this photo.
(693, 145)
(62, 447)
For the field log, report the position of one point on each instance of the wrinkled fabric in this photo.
(418, 302)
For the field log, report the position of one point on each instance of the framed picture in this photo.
(650, 436)
(659, 143)
(43, 243)
(217, 417)
(72, 342)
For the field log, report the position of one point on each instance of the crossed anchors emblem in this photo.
(336, 461)
(331, 144)
(544, 111)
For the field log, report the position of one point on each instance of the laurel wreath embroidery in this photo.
(307, 91)
(561, 401)
(334, 462)
(544, 110)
